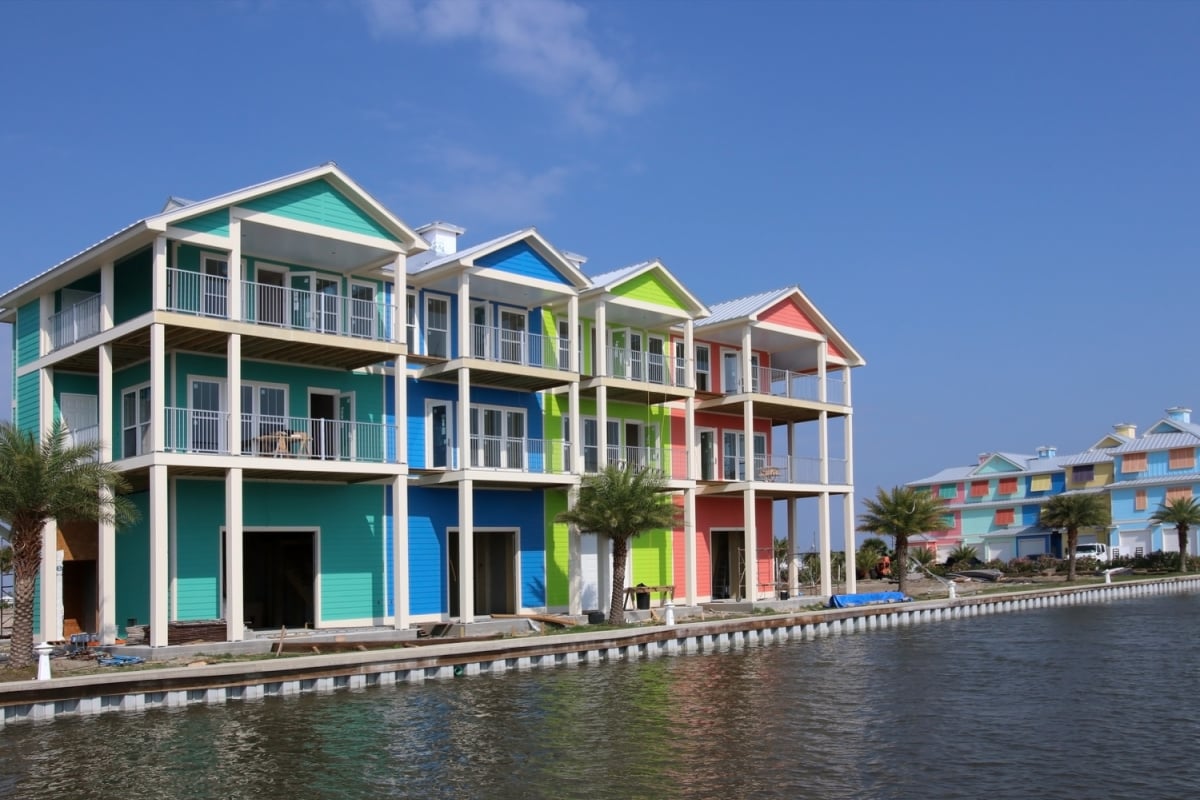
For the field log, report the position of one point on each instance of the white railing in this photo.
(782, 469)
(198, 431)
(794, 385)
(617, 455)
(523, 455)
(86, 436)
(190, 292)
(505, 346)
(655, 368)
(300, 309)
(76, 322)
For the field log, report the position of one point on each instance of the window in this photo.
(206, 431)
(948, 491)
(437, 327)
(680, 363)
(979, 488)
(564, 344)
(1083, 474)
(362, 310)
(1004, 516)
(1139, 500)
(1133, 462)
(439, 421)
(1182, 458)
(1039, 483)
(947, 522)
(703, 368)
(655, 360)
(497, 437)
(410, 321)
(1007, 486)
(1179, 493)
(591, 446)
(214, 285)
(264, 415)
(512, 337)
(135, 422)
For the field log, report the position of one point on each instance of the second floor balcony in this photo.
(75, 322)
(782, 394)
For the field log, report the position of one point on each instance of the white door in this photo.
(81, 416)
(589, 573)
(512, 337)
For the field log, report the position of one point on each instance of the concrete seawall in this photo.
(26, 701)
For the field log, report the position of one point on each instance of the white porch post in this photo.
(750, 535)
(689, 347)
(689, 542)
(575, 467)
(233, 393)
(573, 364)
(158, 385)
(466, 551)
(822, 371)
(234, 292)
(106, 551)
(400, 552)
(793, 568)
(235, 627)
(159, 562)
(823, 533)
(823, 446)
(50, 608)
(398, 313)
(851, 546)
(600, 357)
(107, 295)
(158, 277)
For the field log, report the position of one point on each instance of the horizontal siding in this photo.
(521, 259)
(215, 223)
(319, 203)
(649, 287)
(788, 314)
(133, 288)
(28, 409)
(28, 333)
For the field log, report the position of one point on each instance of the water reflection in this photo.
(1078, 702)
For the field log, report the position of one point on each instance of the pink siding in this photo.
(787, 313)
(726, 512)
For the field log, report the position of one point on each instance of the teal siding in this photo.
(521, 259)
(215, 223)
(29, 394)
(133, 286)
(352, 543)
(28, 335)
(319, 203)
(133, 565)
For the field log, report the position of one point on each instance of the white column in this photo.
(51, 585)
(158, 274)
(400, 411)
(823, 534)
(106, 553)
(602, 426)
(573, 364)
(159, 579)
(823, 446)
(233, 393)
(398, 311)
(793, 567)
(690, 454)
(400, 552)
(235, 617)
(848, 434)
(464, 317)
(747, 365)
(107, 295)
(466, 551)
(750, 543)
(45, 312)
(846, 386)
(689, 346)
(822, 372)
(849, 543)
(574, 560)
(600, 357)
(158, 386)
(234, 293)
(689, 542)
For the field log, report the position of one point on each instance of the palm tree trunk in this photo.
(1072, 538)
(26, 539)
(902, 562)
(1182, 530)
(616, 607)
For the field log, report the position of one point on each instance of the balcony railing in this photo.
(76, 322)
(198, 431)
(617, 455)
(654, 368)
(522, 348)
(205, 295)
(782, 469)
(519, 455)
(794, 385)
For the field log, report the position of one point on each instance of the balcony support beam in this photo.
(159, 273)
(689, 543)
(106, 551)
(466, 551)
(823, 534)
(234, 304)
(600, 357)
(400, 552)
(107, 296)
(822, 371)
(235, 627)
(159, 550)
(233, 394)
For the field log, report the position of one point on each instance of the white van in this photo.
(1092, 550)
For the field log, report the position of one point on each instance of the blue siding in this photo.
(420, 391)
(1029, 515)
(521, 259)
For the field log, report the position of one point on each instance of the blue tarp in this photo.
(867, 599)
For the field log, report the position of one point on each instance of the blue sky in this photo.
(995, 202)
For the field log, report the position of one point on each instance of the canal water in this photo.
(1095, 701)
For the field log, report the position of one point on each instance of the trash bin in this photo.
(595, 617)
(643, 598)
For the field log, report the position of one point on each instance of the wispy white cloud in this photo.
(545, 46)
(472, 186)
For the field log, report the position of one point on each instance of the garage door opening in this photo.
(494, 578)
(278, 579)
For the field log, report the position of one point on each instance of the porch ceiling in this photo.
(488, 373)
(270, 243)
(509, 291)
(778, 409)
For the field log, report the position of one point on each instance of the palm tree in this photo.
(621, 503)
(901, 513)
(1070, 512)
(40, 481)
(1183, 513)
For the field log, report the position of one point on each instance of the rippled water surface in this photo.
(1080, 702)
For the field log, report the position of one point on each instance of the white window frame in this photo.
(412, 320)
(430, 404)
(205, 257)
(438, 298)
(284, 287)
(222, 431)
(707, 373)
(142, 445)
(506, 441)
(252, 427)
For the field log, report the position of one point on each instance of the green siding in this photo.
(215, 223)
(650, 559)
(28, 335)
(650, 287)
(351, 554)
(133, 286)
(557, 547)
(29, 395)
(133, 565)
(319, 203)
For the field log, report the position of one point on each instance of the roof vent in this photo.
(1126, 429)
(1179, 414)
(442, 237)
(1047, 451)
